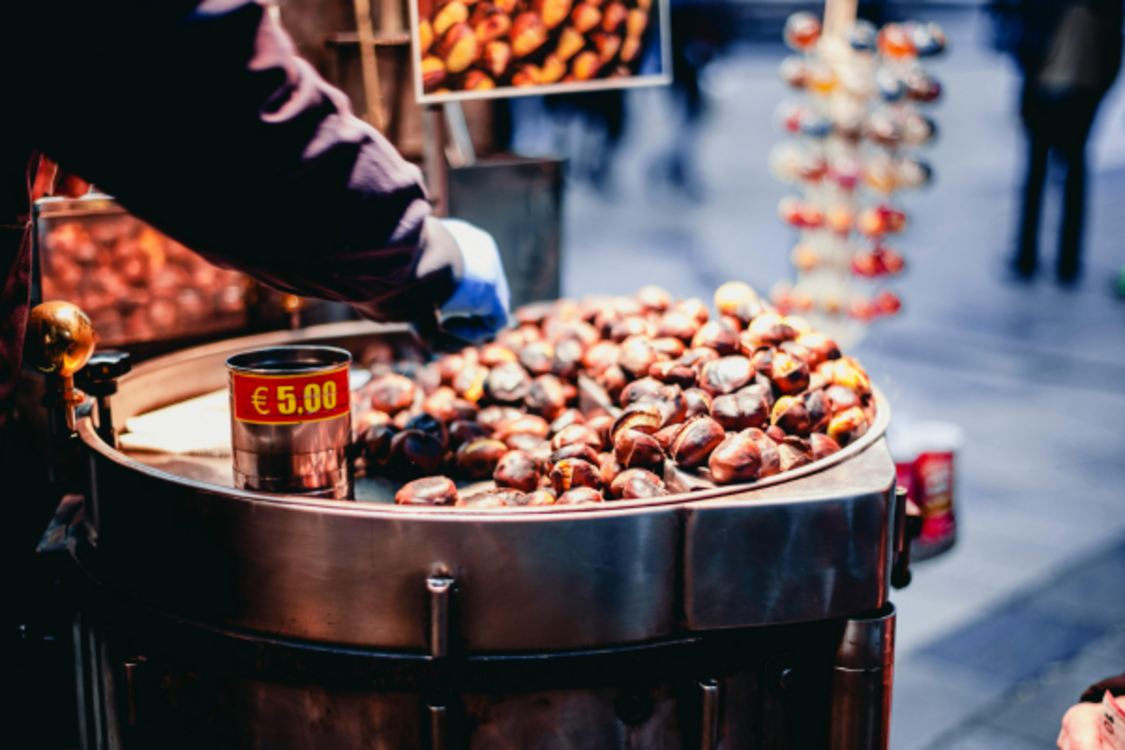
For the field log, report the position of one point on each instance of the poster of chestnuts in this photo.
(470, 49)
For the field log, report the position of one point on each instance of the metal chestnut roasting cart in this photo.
(749, 616)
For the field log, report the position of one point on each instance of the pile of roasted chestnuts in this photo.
(475, 46)
(607, 399)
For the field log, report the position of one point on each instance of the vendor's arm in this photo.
(201, 119)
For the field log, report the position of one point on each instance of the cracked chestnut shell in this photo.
(574, 472)
(636, 484)
(469, 383)
(736, 459)
(790, 414)
(822, 446)
(726, 375)
(788, 374)
(695, 441)
(518, 470)
(633, 448)
(848, 426)
(609, 468)
(820, 348)
(428, 491)
(771, 459)
(819, 408)
(479, 458)
(794, 453)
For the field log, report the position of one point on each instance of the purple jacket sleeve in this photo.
(201, 118)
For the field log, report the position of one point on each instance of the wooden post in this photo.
(372, 91)
(434, 165)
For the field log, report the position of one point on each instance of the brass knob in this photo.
(60, 337)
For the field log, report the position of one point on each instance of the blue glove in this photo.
(478, 308)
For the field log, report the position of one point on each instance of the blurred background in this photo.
(671, 186)
(1025, 377)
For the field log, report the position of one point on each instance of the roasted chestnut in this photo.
(518, 470)
(698, 402)
(528, 423)
(580, 496)
(567, 418)
(847, 426)
(415, 453)
(771, 459)
(574, 472)
(633, 484)
(462, 431)
(525, 441)
(717, 335)
(822, 446)
(507, 383)
(819, 408)
(790, 414)
(794, 453)
(788, 374)
(736, 459)
(540, 498)
(633, 448)
(636, 356)
(469, 383)
(698, 357)
(695, 441)
(739, 410)
(678, 325)
(609, 468)
(538, 357)
(392, 393)
(638, 388)
(726, 375)
(601, 424)
(574, 450)
(670, 371)
(600, 357)
(642, 417)
(578, 433)
(546, 397)
(431, 425)
(377, 443)
(478, 459)
(732, 294)
(428, 491)
(498, 498)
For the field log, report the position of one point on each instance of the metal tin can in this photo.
(291, 420)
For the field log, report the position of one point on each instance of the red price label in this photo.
(290, 399)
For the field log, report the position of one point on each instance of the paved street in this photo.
(998, 637)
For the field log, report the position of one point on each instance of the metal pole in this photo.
(435, 164)
(861, 683)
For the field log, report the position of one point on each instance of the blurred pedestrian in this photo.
(696, 40)
(1081, 726)
(1070, 53)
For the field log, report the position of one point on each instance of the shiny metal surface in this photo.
(812, 549)
(709, 715)
(440, 589)
(862, 683)
(817, 547)
(305, 457)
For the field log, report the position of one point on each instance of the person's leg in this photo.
(1072, 144)
(1027, 254)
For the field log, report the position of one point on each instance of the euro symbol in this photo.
(259, 400)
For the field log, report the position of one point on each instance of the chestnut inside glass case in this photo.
(136, 284)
